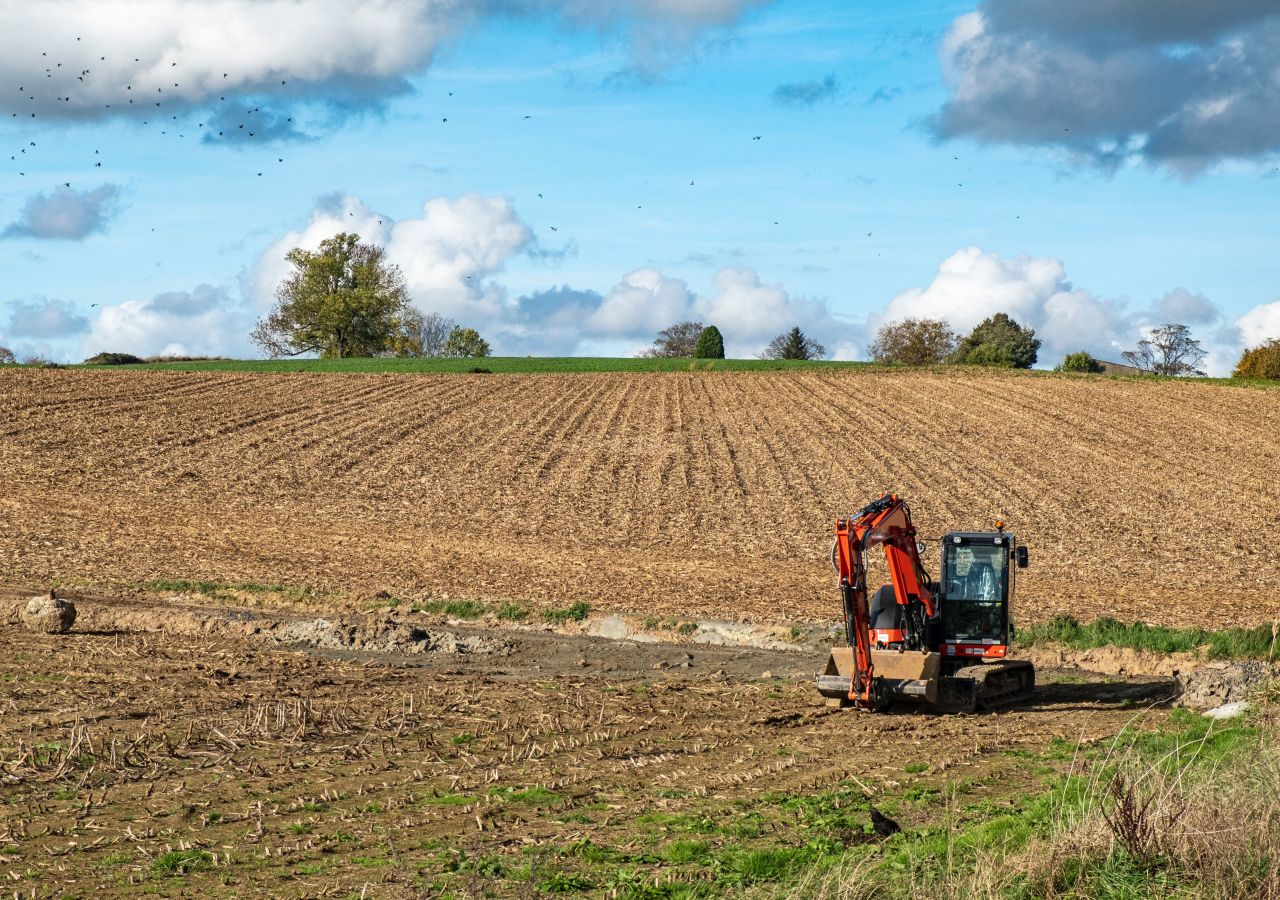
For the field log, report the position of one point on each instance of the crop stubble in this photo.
(283, 774)
(707, 494)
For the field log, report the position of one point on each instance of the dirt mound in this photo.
(49, 614)
(387, 636)
(1216, 684)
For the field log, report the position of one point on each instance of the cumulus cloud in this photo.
(1262, 323)
(1177, 83)
(452, 254)
(972, 284)
(806, 93)
(42, 317)
(206, 321)
(103, 54)
(627, 319)
(448, 255)
(66, 214)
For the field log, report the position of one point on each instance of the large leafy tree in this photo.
(678, 340)
(913, 342)
(710, 344)
(793, 344)
(341, 300)
(1170, 350)
(998, 341)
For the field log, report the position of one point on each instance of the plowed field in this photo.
(676, 494)
(199, 766)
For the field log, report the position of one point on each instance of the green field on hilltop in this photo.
(495, 364)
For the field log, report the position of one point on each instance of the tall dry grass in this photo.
(1197, 819)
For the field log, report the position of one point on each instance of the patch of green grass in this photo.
(180, 862)
(223, 589)
(311, 869)
(456, 609)
(462, 739)
(574, 612)
(775, 864)
(370, 861)
(915, 768)
(574, 818)
(301, 827)
(1231, 643)
(118, 858)
(372, 807)
(564, 883)
(684, 629)
(685, 851)
(313, 806)
(593, 852)
(513, 612)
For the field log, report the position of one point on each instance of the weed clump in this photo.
(574, 612)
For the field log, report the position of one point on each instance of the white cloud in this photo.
(1262, 323)
(103, 54)
(205, 321)
(448, 255)
(972, 284)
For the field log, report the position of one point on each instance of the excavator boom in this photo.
(885, 522)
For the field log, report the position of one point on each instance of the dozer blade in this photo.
(899, 675)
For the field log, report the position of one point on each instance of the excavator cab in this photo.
(977, 582)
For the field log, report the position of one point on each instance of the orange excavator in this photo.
(940, 643)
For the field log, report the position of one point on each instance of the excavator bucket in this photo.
(900, 675)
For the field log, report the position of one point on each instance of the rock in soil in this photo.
(49, 614)
(1219, 683)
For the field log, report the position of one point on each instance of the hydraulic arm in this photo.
(885, 522)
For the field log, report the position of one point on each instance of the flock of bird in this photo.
(167, 111)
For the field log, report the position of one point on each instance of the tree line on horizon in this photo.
(1002, 342)
(346, 300)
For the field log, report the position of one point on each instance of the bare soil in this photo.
(690, 494)
(188, 751)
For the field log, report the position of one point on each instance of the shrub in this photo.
(676, 341)
(464, 342)
(914, 342)
(1079, 362)
(1262, 361)
(710, 344)
(793, 344)
(113, 359)
(998, 341)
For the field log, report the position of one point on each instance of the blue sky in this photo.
(900, 168)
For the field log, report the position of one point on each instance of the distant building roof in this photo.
(1113, 368)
